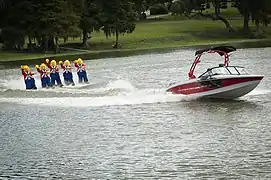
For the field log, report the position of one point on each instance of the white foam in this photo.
(139, 97)
(127, 94)
(120, 84)
(18, 84)
(14, 84)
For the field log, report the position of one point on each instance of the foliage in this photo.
(46, 21)
(40, 24)
(90, 18)
(144, 5)
(158, 9)
(258, 11)
(43, 20)
(118, 18)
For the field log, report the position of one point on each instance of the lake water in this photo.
(125, 126)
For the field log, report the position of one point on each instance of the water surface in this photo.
(124, 126)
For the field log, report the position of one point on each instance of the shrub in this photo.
(175, 8)
(142, 16)
(158, 9)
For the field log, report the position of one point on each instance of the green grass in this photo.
(9, 56)
(14, 55)
(229, 12)
(166, 33)
(150, 35)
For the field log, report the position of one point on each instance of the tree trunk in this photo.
(29, 40)
(65, 39)
(56, 45)
(217, 14)
(257, 24)
(46, 44)
(117, 45)
(85, 39)
(227, 24)
(29, 46)
(246, 20)
(259, 29)
(50, 40)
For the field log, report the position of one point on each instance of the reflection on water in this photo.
(127, 127)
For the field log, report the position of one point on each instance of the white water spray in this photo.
(127, 95)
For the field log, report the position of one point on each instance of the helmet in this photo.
(67, 62)
(80, 61)
(43, 66)
(26, 68)
(53, 63)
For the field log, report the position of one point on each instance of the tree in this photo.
(43, 20)
(17, 24)
(258, 11)
(90, 19)
(3, 7)
(217, 5)
(191, 8)
(243, 8)
(56, 20)
(118, 18)
(4, 4)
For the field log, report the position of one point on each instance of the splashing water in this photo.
(126, 94)
(128, 99)
(116, 92)
(121, 84)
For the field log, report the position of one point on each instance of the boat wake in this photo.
(128, 99)
(114, 93)
(118, 92)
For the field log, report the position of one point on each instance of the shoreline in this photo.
(114, 53)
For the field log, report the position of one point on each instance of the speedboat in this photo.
(222, 81)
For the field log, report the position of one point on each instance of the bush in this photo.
(142, 16)
(158, 9)
(175, 8)
(1, 37)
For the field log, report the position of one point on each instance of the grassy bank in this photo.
(128, 52)
(150, 36)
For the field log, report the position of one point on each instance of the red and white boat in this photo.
(223, 81)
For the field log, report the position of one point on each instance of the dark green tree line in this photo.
(256, 11)
(46, 21)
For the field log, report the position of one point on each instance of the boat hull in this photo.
(221, 87)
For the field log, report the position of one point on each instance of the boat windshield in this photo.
(220, 71)
(233, 70)
(242, 70)
(215, 71)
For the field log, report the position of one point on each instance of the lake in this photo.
(124, 125)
